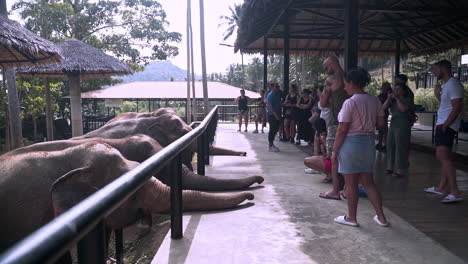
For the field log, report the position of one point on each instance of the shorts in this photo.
(356, 155)
(243, 112)
(444, 139)
(331, 132)
(328, 165)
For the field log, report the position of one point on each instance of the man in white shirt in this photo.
(450, 96)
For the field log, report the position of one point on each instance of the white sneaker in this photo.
(311, 171)
(273, 149)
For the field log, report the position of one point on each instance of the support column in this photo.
(13, 109)
(397, 57)
(75, 105)
(286, 57)
(351, 28)
(265, 63)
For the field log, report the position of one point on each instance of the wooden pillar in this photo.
(13, 109)
(265, 63)
(75, 105)
(286, 57)
(397, 57)
(351, 24)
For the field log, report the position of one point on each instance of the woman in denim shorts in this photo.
(354, 145)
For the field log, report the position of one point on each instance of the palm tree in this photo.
(231, 21)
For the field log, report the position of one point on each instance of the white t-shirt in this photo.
(451, 90)
(324, 113)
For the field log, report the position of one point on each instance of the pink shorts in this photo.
(328, 165)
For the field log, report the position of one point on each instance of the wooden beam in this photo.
(351, 34)
(397, 56)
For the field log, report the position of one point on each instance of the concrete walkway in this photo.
(287, 221)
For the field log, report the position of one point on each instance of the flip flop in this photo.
(326, 180)
(376, 219)
(433, 190)
(388, 171)
(342, 220)
(451, 199)
(342, 195)
(326, 196)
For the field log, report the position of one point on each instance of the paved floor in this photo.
(288, 223)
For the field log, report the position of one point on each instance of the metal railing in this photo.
(84, 224)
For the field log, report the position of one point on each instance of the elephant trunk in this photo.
(194, 200)
(193, 181)
(217, 151)
(157, 198)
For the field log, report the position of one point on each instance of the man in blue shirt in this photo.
(273, 103)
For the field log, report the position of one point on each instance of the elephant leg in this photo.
(217, 151)
(193, 181)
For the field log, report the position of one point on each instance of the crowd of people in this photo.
(340, 120)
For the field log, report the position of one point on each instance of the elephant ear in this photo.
(72, 188)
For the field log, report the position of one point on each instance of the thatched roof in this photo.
(166, 90)
(18, 46)
(317, 27)
(79, 58)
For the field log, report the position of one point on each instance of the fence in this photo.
(83, 224)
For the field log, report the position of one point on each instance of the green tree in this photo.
(231, 21)
(124, 28)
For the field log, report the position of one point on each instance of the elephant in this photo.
(36, 186)
(139, 148)
(134, 115)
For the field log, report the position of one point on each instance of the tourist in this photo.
(273, 103)
(333, 97)
(243, 109)
(261, 113)
(385, 89)
(291, 113)
(354, 145)
(304, 128)
(400, 104)
(450, 96)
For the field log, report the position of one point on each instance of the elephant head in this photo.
(36, 186)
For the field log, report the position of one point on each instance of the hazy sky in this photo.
(218, 57)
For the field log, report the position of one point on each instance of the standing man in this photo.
(273, 103)
(450, 96)
(333, 96)
(242, 102)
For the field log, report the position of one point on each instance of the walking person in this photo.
(400, 104)
(273, 104)
(354, 145)
(243, 109)
(450, 96)
(261, 114)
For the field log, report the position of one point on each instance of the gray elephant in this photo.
(141, 147)
(36, 186)
(134, 115)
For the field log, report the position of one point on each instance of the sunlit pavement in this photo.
(288, 223)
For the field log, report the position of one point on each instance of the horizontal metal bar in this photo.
(52, 240)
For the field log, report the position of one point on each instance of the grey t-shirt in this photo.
(452, 89)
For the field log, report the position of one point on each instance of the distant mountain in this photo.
(158, 71)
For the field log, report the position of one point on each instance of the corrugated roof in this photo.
(317, 26)
(166, 90)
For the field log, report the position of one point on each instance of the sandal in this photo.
(433, 190)
(342, 220)
(388, 171)
(451, 199)
(326, 180)
(342, 195)
(376, 219)
(326, 196)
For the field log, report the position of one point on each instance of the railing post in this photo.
(92, 248)
(176, 197)
(206, 145)
(200, 155)
(118, 246)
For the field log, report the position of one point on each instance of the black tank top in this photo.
(242, 103)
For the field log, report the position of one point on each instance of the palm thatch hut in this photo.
(18, 47)
(80, 60)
